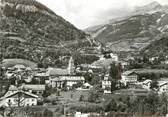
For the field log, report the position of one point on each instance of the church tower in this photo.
(71, 68)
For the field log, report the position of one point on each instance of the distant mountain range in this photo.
(30, 30)
(134, 32)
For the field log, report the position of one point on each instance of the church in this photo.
(63, 72)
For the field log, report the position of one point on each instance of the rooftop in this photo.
(57, 72)
(34, 87)
(69, 78)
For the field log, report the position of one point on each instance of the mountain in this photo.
(158, 48)
(30, 30)
(135, 31)
(149, 8)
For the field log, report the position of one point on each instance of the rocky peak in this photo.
(149, 8)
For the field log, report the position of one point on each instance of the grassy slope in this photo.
(11, 62)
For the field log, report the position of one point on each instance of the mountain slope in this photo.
(157, 48)
(37, 19)
(133, 32)
(30, 30)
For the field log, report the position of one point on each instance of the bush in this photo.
(48, 113)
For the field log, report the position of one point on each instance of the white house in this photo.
(85, 87)
(79, 114)
(12, 89)
(146, 84)
(19, 98)
(163, 87)
(35, 89)
(70, 81)
(106, 77)
(129, 77)
(114, 56)
(9, 74)
(106, 86)
(19, 67)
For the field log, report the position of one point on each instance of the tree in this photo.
(79, 84)
(154, 76)
(93, 96)
(111, 106)
(145, 59)
(88, 77)
(119, 71)
(164, 102)
(64, 86)
(113, 85)
(154, 85)
(47, 113)
(113, 71)
(34, 81)
(47, 92)
(81, 98)
(115, 74)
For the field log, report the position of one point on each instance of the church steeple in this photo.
(71, 66)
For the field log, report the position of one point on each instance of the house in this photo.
(152, 59)
(87, 86)
(62, 72)
(28, 69)
(163, 87)
(106, 77)
(19, 98)
(41, 77)
(12, 89)
(28, 78)
(106, 86)
(19, 67)
(129, 77)
(9, 74)
(146, 84)
(57, 72)
(35, 89)
(70, 81)
(124, 64)
(79, 114)
(114, 56)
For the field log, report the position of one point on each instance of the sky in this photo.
(86, 13)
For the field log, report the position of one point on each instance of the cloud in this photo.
(85, 13)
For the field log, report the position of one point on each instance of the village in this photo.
(81, 86)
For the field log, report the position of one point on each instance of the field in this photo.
(11, 62)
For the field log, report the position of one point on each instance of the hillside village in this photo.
(25, 86)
